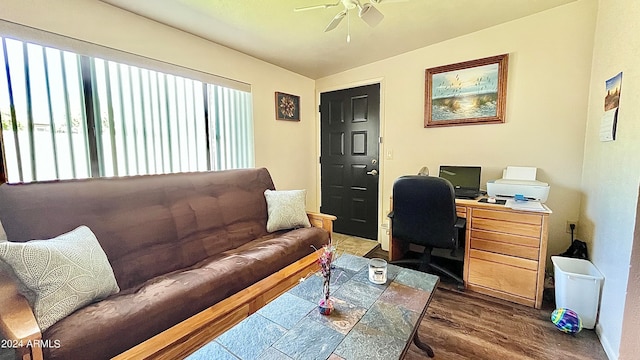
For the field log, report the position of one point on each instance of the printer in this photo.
(519, 180)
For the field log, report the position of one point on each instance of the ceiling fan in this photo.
(367, 12)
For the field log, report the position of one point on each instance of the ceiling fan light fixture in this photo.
(369, 14)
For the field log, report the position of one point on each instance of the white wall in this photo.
(287, 149)
(611, 174)
(547, 92)
(629, 345)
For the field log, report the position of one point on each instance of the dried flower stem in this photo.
(325, 259)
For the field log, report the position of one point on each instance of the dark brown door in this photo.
(349, 133)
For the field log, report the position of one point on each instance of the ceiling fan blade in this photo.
(388, 1)
(336, 20)
(369, 14)
(314, 7)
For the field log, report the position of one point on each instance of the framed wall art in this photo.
(3, 173)
(470, 92)
(287, 107)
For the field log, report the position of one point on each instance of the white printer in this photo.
(519, 180)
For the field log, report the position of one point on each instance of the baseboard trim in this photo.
(611, 353)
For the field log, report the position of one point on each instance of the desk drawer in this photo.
(508, 216)
(504, 259)
(514, 228)
(503, 277)
(506, 238)
(505, 249)
(507, 244)
(461, 211)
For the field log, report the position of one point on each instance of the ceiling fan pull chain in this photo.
(348, 28)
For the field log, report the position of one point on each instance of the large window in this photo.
(66, 115)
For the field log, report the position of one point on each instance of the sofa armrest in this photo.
(17, 323)
(324, 221)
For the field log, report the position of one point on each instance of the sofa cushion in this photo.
(62, 274)
(286, 209)
(136, 314)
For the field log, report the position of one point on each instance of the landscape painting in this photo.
(612, 99)
(471, 92)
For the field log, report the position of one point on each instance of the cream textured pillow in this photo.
(3, 235)
(286, 209)
(63, 274)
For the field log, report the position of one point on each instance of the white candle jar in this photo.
(378, 271)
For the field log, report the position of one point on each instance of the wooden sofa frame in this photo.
(19, 327)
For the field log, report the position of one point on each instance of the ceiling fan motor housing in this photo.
(351, 4)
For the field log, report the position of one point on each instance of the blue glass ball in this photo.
(566, 320)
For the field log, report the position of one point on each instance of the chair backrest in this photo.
(424, 211)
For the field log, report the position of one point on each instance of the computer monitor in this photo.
(465, 179)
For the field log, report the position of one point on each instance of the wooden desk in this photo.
(505, 251)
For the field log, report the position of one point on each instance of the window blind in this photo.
(66, 115)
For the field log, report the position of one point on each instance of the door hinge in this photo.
(380, 139)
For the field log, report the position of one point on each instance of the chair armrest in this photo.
(324, 221)
(17, 323)
(460, 223)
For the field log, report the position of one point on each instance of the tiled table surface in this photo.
(369, 321)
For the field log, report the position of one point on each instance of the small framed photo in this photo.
(470, 92)
(287, 107)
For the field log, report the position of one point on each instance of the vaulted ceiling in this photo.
(272, 31)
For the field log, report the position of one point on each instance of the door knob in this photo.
(373, 172)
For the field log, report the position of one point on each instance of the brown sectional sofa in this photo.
(177, 243)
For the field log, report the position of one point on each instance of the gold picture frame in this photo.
(470, 92)
(287, 107)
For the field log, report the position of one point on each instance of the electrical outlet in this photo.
(385, 227)
(575, 228)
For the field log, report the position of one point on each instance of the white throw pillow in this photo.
(3, 235)
(286, 209)
(63, 274)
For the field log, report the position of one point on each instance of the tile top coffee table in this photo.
(369, 321)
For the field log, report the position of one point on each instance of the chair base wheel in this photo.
(423, 346)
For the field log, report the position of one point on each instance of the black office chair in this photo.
(424, 213)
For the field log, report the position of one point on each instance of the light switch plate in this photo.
(389, 154)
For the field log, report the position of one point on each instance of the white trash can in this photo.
(578, 283)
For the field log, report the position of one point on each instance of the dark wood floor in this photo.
(466, 325)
